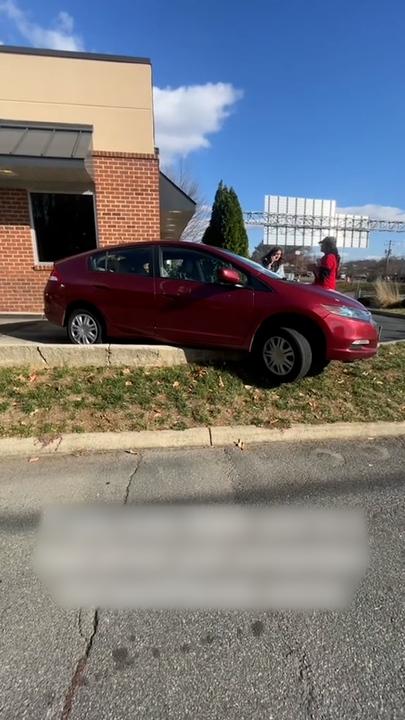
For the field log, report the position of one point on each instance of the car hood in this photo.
(327, 297)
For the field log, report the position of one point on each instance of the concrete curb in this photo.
(45, 355)
(58, 355)
(195, 437)
(391, 342)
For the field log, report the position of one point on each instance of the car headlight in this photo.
(349, 312)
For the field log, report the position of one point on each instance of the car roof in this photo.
(144, 243)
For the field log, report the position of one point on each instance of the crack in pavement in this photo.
(305, 677)
(131, 479)
(81, 626)
(42, 356)
(77, 678)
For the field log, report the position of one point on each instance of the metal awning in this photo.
(176, 209)
(19, 139)
(53, 154)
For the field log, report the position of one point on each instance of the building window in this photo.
(64, 224)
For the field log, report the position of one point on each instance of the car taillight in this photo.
(55, 276)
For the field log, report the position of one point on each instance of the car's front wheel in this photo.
(84, 327)
(284, 354)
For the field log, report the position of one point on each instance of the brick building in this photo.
(78, 164)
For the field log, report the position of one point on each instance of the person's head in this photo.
(274, 256)
(328, 245)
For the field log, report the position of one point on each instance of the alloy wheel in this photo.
(84, 329)
(278, 355)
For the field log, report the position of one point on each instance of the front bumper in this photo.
(352, 339)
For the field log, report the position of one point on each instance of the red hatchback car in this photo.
(191, 294)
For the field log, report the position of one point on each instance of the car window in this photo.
(98, 262)
(253, 264)
(133, 261)
(183, 264)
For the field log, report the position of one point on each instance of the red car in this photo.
(191, 294)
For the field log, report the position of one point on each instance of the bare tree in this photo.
(180, 175)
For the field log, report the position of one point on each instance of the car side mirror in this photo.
(229, 276)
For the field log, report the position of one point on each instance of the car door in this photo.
(193, 308)
(124, 286)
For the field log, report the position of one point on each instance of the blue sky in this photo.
(289, 97)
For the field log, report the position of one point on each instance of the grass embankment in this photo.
(49, 402)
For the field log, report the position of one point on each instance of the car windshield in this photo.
(252, 264)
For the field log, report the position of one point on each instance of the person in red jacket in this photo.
(327, 270)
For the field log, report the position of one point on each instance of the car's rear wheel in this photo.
(284, 354)
(84, 327)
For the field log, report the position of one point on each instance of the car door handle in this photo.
(181, 292)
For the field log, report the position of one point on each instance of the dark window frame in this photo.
(38, 247)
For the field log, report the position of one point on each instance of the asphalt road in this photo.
(27, 330)
(392, 328)
(271, 665)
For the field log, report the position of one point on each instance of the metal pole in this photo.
(387, 258)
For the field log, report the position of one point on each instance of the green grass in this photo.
(48, 402)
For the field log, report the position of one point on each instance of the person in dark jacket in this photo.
(327, 270)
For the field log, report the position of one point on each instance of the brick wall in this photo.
(21, 286)
(127, 197)
(127, 208)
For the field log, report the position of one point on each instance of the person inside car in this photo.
(273, 261)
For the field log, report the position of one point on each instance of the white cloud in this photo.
(187, 115)
(378, 212)
(60, 36)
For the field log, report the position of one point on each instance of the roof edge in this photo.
(39, 125)
(177, 187)
(73, 55)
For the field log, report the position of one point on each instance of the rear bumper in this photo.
(352, 339)
(53, 311)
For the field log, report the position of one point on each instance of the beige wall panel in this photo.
(114, 97)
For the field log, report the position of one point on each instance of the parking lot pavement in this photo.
(29, 331)
(345, 665)
(26, 330)
(393, 328)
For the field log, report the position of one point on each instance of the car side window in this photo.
(133, 261)
(98, 262)
(183, 264)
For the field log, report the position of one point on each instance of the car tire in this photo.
(284, 355)
(84, 327)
